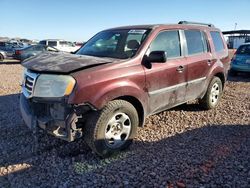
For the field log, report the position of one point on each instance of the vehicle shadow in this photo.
(211, 155)
(189, 107)
(240, 77)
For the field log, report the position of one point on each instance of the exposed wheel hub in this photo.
(117, 130)
(215, 92)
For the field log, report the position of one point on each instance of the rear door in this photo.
(166, 82)
(199, 60)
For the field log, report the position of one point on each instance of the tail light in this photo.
(18, 52)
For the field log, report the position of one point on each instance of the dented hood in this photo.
(60, 62)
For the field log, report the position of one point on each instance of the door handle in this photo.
(180, 68)
(209, 62)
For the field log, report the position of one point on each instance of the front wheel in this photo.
(213, 94)
(112, 129)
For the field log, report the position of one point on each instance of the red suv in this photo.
(119, 77)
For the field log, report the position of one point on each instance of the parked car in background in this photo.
(241, 60)
(3, 55)
(121, 76)
(18, 43)
(24, 53)
(9, 48)
(79, 44)
(61, 45)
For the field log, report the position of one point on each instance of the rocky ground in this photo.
(182, 147)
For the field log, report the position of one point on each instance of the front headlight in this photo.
(54, 85)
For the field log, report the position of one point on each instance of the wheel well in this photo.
(222, 78)
(138, 106)
(2, 55)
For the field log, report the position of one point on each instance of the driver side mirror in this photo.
(157, 57)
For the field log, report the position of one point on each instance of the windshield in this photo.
(121, 44)
(244, 50)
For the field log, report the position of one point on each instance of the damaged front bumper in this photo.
(57, 118)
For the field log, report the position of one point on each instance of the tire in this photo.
(1, 57)
(112, 129)
(213, 94)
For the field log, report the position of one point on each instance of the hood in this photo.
(59, 62)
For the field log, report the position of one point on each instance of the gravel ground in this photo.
(181, 147)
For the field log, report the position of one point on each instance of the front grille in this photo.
(29, 83)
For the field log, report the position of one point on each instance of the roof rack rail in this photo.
(196, 23)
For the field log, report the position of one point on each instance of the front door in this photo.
(166, 82)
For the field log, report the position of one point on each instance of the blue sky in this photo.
(78, 20)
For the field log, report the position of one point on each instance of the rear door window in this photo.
(205, 42)
(196, 42)
(168, 41)
(217, 40)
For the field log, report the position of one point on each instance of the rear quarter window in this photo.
(217, 40)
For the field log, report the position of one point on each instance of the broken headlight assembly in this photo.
(54, 85)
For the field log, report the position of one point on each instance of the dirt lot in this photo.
(184, 146)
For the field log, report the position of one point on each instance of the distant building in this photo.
(237, 37)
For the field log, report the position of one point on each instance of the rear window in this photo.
(196, 42)
(217, 40)
(244, 50)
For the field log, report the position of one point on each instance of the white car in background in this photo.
(61, 45)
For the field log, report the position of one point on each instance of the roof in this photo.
(152, 26)
(236, 32)
(149, 26)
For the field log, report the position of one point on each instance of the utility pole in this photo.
(235, 25)
(234, 41)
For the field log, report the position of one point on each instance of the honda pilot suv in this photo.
(119, 77)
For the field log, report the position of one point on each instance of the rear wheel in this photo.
(112, 129)
(213, 94)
